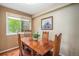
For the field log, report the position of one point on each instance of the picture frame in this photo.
(47, 23)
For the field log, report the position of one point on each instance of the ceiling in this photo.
(31, 9)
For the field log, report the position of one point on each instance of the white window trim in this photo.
(18, 18)
(7, 32)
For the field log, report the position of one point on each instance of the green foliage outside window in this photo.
(14, 25)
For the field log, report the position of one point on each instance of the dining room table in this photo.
(39, 46)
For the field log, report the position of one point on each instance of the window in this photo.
(15, 25)
(26, 25)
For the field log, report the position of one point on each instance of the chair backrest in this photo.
(21, 35)
(22, 46)
(20, 43)
(45, 36)
(56, 45)
(28, 33)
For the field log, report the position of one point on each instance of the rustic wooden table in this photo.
(39, 46)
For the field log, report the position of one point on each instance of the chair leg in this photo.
(20, 53)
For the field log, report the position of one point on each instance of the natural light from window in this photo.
(15, 25)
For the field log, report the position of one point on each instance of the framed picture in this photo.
(47, 23)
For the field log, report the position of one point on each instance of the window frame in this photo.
(7, 28)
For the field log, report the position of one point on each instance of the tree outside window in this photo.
(15, 25)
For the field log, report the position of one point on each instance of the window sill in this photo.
(8, 34)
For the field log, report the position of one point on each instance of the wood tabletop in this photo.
(39, 46)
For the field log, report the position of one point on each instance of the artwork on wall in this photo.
(47, 23)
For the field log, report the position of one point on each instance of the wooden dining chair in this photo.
(45, 37)
(23, 48)
(28, 33)
(20, 45)
(56, 45)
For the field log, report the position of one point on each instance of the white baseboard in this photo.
(9, 49)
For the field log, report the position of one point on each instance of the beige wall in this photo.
(65, 21)
(10, 41)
